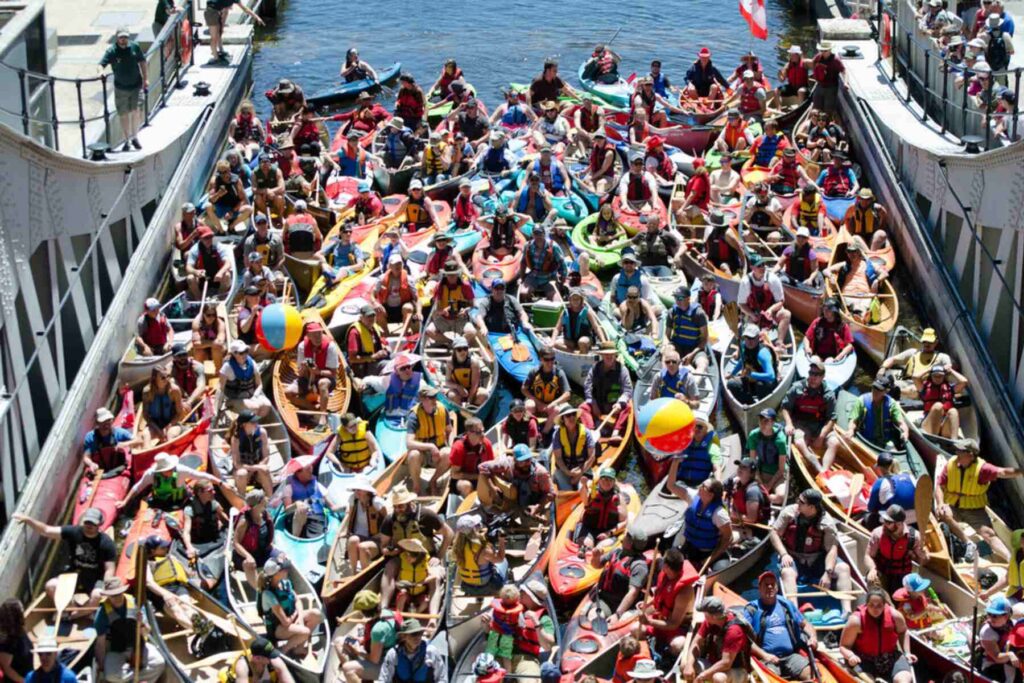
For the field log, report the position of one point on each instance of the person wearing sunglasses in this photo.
(809, 415)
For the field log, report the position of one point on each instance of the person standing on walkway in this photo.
(216, 16)
(128, 64)
(164, 10)
(827, 70)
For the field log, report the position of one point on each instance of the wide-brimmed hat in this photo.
(361, 483)
(300, 463)
(645, 669)
(412, 545)
(114, 586)
(164, 462)
(410, 626)
(103, 415)
(607, 347)
(400, 495)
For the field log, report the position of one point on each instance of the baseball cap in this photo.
(928, 335)
(522, 453)
(92, 516)
(152, 304)
(894, 513)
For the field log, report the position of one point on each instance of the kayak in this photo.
(584, 644)
(602, 256)
(569, 574)
(308, 555)
(837, 373)
(616, 94)
(103, 490)
(713, 157)
(686, 138)
(325, 297)
(348, 91)
(516, 354)
(635, 347)
(635, 220)
(485, 267)
(664, 281)
(390, 434)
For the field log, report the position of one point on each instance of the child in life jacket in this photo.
(487, 670)
(918, 602)
(506, 620)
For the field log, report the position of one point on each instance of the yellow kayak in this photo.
(326, 297)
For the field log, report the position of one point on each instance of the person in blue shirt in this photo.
(752, 376)
(703, 79)
(346, 257)
(104, 447)
(891, 486)
(780, 631)
(49, 670)
(1008, 23)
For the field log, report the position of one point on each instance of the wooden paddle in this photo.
(95, 487)
(856, 484)
(355, 617)
(923, 499)
(62, 597)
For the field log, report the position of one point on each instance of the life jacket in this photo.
(471, 572)
(536, 201)
(895, 558)
(766, 147)
(547, 389)
(495, 160)
(257, 537)
(869, 429)
(444, 84)
(433, 159)
(577, 324)
(666, 591)
(168, 570)
(638, 190)
(674, 384)
(413, 669)
(462, 372)
(167, 489)
(739, 500)
(647, 102)
(518, 430)
(605, 383)
(666, 168)
(285, 597)
(354, 449)
(401, 396)
(230, 676)
(605, 63)
(318, 354)
(107, 456)
(862, 221)
(160, 409)
(822, 74)
(409, 105)
(473, 455)
(1015, 571)
(374, 516)
(659, 82)
(749, 103)
(810, 405)
(416, 213)
(719, 250)
(207, 260)
(754, 613)
(836, 182)
(405, 293)
(300, 236)
(245, 128)
(230, 188)
(624, 281)
(903, 602)
(505, 620)
(527, 638)
(797, 74)
(696, 465)
(700, 530)
(917, 366)
(514, 115)
(807, 215)
(735, 132)
(414, 571)
(767, 450)
(543, 263)
(903, 492)
(574, 452)
(250, 446)
(932, 393)
(707, 298)
(789, 172)
(760, 298)
(877, 637)
(465, 211)
(309, 491)
(588, 120)
(205, 528)
(601, 512)
(432, 427)
(962, 488)
(307, 134)
(503, 234)
(369, 338)
(411, 528)
(683, 330)
(597, 157)
(351, 162)
(550, 175)
(452, 296)
(700, 187)
(827, 338)
(813, 541)
(798, 265)
(616, 574)
(120, 633)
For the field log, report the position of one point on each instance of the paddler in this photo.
(243, 386)
(205, 522)
(810, 211)
(480, 559)
(599, 176)
(301, 234)
(463, 376)
(876, 642)
(736, 136)
(208, 263)
(602, 66)
(534, 201)
(695, 465)
(891, 486)
(367, 205)
(578, 327)
(707, 530)
(91, 554)
(184, 231)
(623, 579)
(513, 114)
(703, 79)
(465, 211)
(762, 210)
(543, 265)
(253, 536)
(867, 218)
(410, 519)
(893, 548)
(607, 392)
(401, 145)
(167, 582)
(993, 637)
(450, 73)
(495, 159)
(49, 669)
(245, 131)
(605, 514)
(357, 450)
(806, 539)
(829, 336)
(268, 187)
(725, 181)
(747, 498)
(519, 428)
(837, 179)
(809, 413)
(355, 69)
(629, 276)
(785, 174)
(443, 250)
(671, 601)
(116, 624)
(638, 188)
(961, 496)
(752, 375)
(468, 120)
(535, 633)
(263, 663)
(654, 105)
(749, 61)
(366, 117)
(504, 233)
(362, 523)
(860, 282)
(675, 380)
(762, 300)
(938, 393)
(340, 257)
(781, 632)
(268, 244)
(878, 418)
(721, 247)
(546, 390)
(227, 199)
(499, 313)
(709, 296)
(916, 364)
(362, 651)
(469, 451)
(453, 302)
(822, 138)
(588, 119)
(551, 129)
(419, 588)
(278, 605)
(413, 659)
(106, 447)
(515, 482)
(798, 264)
(552, 171)
(287, 99)
(436, 161)
(697, 196)
(365, 344)
(394, 296)
(317, 362)
(428, 438)
(250, 453)
(914, 602)
(210, 329)
(768, 146)
(795, 75)
(752, 98)
(166, 479)
(573, 451)
(721, 648)
(305, 132)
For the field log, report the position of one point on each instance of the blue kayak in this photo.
(309, 555)
(837, 206)
(348, 91)
(390, 434)
(518, 370)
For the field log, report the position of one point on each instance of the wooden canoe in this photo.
(221, 431)
(75, 634)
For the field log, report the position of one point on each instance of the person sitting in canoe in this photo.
(184, 231)
(365, 346)
(709, 297)
(246, 131)
(915, 364)
(118, 628)
(442, 252)
(253, 536)
(629, 276)
(481, 562)
(876, 642)
(357, 450)
(747, 499)
(535, 633)
(287, 99)
(838, 179)
(428, 438)
(810, 211)
(551, 129)
(914, 601)
(270, 248)
(638, 188)
(599, 177)
(401, 145)
(696, 196)
(413, 658)
(504, 232)
(798, 264)
(305, 131)
(552, 172)
(410, 519)
(749, 62)
(209, 330)
(605, 515)
(574, 451)
(602, 66)
(707, 528)
(153, 332)
(645, 99)
(468, 118)
(417, 584)
(362, 651)
(494, 159)
(362, 523)
(829, 336)
(514, 115)
(725, 182)
(578, 328)
(462, 381)
(658, 162)
(394, 296)
(762, 300)
(893, 548)
(820, 138)
(996, 653)
(465, 211)
(735, 135)
(768, 146)
(279, 608)
(891, 486)
(534, 200)
(262, 663)
(167, 580)
(785, 174)
(961, 495)
(355, 69)
(248, 314)
(588, 119)
(515, 482)
(753, 374)
(366, 117)
(866, 218)
(638, 316)
(435, 162)
(809, 413)
(546, 389)
(250, 453)
(519, 428)
(877, 418)
(762, 209)
(607, 392)
(696, 464)
(419, 209)
(239, 169)
(859, 280)
(795, 75)
(721, 647)
(305, 500)
(453, 303)
(450, 72)
(209, 267)
(202, 533)
(624, 571)
(781, 632)
(165, 481)
(468, 452)
(704, 81)
(543, 266)
(367, 205)
(301, 234)
(189, 376)
(316, 371)
(752, 99)
(675, 381)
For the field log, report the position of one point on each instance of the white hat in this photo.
(994, 19)
(361, 483)
(468, 523)
(795, 50)
(102, 415)
(748, 74)
(238, 346)
(802, 231)
(46, 645)
(976, 42)
(394, 258)
(164, 462)
(645, 669)
(416, 184)
(152, 304)
(982, 67)
(300, 204)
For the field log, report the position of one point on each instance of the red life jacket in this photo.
(505, 620)
(588, 119)
(719, 250)
(215, 259)
(796, 74)
(465, 211)
(307, 134)
(527, 639)
(320, 354)
(646, 102)
(790, 172)
(251, 538)
(245, 128)
(760, 298)
(739, 500)
(811, 406)
(186, 377)
(547, 264)
(895, 558)
(155, 331)
(602, 510)
(932, 393)
(638, 189)
(108, 456)
(706, 299)
(837, 182)
(597, 157)
(666, 169)
(814, 542)
(447, 79)
(665, 593)
(827, 338)
(615, 577)
(700, 186)
(877, 637)
(748, 99)
(304, 219)
(369, 206)
(410, 106)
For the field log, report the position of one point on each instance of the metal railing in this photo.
(171, 53)
(938, 84)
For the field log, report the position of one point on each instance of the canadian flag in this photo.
(753, 11)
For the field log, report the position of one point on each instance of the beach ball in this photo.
(279, 327)
(665, 426)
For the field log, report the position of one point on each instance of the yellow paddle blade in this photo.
(505, 343)
(520, 353)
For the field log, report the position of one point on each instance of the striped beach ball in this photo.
(664, 426)
(279, 327)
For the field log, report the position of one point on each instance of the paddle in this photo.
(923, 499)
(856, 484)
(355, 617)
(95, 487)
(62, 596)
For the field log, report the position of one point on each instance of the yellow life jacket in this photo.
(808, 212)
(414, 573)
(862, 222)
(573, 454)
(469, 568)
(962, 489)
(230, 676)
(411, 528)
(434, 160)
(167, 570)
(354, 449)
(431, 428)
(1015, 576)
(463, 374)
(449, 296)
(369, 338)
(917, 366)
(546, 390)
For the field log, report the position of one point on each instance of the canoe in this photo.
(570, 575)
(747, 414)
(616, 94)
(689, 138)
(301, 421)
(75, 633)
(713, 158)
(242, 598)
(134, 370)
(325, 297)
(339, 482)
(837, 373)
(803, 157)
(836, 207)
(435, 361)
(507, 346)
(341, 580)
(728, 284)
(872, 338)
(390, 434)
(822, 243)
(602, 257)
(303, 267)
(391, 180)
(349, 90)
(635, 221)
(103, 490)
(486, 268)
(655, 466)
(176, 643)
(664, 281)
(279, 444)
(309, 555)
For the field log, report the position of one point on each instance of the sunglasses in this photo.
(671, 362)
(404, 368)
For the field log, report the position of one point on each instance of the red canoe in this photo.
(104, 492)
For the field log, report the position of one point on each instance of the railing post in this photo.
(924, 86)
(24, 102)
(945, 91)
(988, 110)
(163, 82)
(1016, 102)
(909, 67)
(963, 106)
(106, 108)
(54, 121)
(81, 117)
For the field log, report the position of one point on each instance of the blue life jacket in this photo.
(659, 84)
(623, 282)
(495, 160)
(903, 488)
(160, 410)
(683, 330)
(244, 384)
(351, 166)
(514, 116)
(539, 212)
(869, 430)
(401, 397)
(674, 384)
(696, 465)
(766, 150)
(413, 669)
(557, 181)
(578, 328)
(700, 530)
(393, 144)
(309, 491)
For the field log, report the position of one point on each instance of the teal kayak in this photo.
(308, 555)
(390, 434)
(616, 94)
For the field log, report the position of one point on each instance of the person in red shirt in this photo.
(468, 452)
(829, 336)
(366, 116)
(723, 643)
(520, 427)
(367, 203)
(828, 70)
(697, 193)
